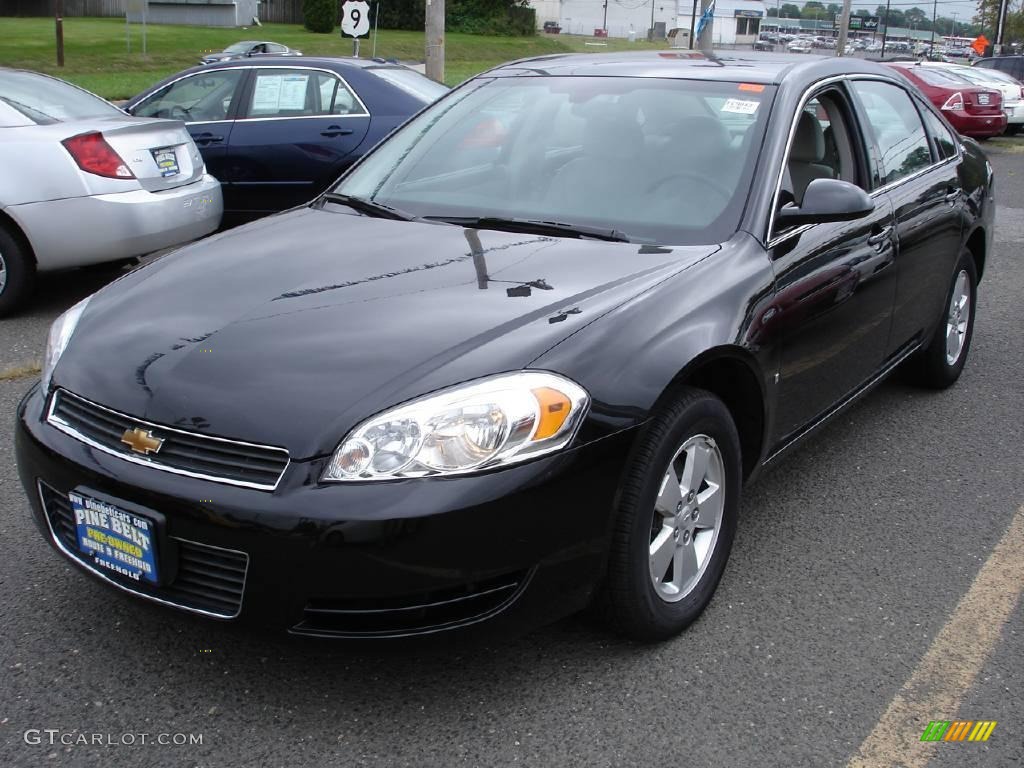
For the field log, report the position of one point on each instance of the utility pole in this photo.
(935, 13)
(650, 34)
(58, 18)
(997, 48)
(885, 33)
(434, 23)
(604, 24)
(707, 11)
(844, 28)
(693, 25)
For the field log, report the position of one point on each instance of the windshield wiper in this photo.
(534, 226)
(369, 207)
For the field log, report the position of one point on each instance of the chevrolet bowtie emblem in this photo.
(141, 441)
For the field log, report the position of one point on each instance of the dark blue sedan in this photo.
(277, 133)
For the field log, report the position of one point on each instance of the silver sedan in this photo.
(83, 183)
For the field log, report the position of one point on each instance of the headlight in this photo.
(60, 335)
(492, 422)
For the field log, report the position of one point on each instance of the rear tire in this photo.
(677, 511)
(17, 273)
(939, 365)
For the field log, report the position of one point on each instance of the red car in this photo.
(971, 109)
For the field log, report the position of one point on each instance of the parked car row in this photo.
(234, 139)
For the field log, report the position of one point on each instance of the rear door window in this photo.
(944, 141)
(895, 127)
(300, 93)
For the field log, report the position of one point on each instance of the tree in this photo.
(789, 11)
(863, 13)
(319, 15)
(772, 13)
(915, 17)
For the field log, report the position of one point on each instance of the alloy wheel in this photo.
(3, 273)
(687, 518)
(957, 318)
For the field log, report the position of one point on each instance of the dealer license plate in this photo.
(116, 540)
(166, 160)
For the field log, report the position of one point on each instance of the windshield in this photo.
(240, 47)
(46, 100)
(412, 82)
(660, 160)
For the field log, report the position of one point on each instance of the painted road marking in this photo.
(954, 660)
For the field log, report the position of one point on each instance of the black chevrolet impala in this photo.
(522, 358)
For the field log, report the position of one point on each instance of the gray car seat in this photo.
(807, 154)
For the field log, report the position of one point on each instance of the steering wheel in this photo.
(179, 113)
(705, 182)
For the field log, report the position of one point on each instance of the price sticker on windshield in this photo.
(740, 106)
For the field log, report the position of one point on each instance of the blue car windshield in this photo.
(660, 160)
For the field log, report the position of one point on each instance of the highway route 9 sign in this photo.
(355, 18)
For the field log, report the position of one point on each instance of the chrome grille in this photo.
(186, 453)
(209, 580)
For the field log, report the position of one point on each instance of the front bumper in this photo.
(77, 231)
(502, 551)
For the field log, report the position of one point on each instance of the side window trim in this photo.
(936, 162)
(236, 98)
(243, 104)
(837, 82)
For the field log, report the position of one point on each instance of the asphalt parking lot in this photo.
(862, 601)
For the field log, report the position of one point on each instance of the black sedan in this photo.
(522, 358)
(246, 49)
(278, 132)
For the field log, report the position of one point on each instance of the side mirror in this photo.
(827, 200)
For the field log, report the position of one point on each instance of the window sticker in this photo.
(279, 92)
(752, 87)
(740, 107)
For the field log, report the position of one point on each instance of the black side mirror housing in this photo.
(827, 200)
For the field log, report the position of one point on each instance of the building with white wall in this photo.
(737, 22)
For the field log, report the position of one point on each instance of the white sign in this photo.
(740, 107)
(355, 18)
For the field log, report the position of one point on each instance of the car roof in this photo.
(328, 62)
(729, 66)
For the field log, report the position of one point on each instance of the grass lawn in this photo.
(96, 57)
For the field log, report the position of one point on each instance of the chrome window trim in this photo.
(813, 88)
(247, 67)
(75, 558)
(63, 426)
(362, 104)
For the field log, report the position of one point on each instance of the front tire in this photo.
(676, 518)
(939, 365)
(17, 273)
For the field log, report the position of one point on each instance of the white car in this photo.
(84, 183)
(799, 46)
(1010, 88)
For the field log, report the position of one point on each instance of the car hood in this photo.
(291, 330)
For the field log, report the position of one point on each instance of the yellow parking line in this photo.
(952, 663)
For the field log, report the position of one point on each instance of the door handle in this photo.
(335, 130)
(952, 196)
(208, 138)
(881, 237)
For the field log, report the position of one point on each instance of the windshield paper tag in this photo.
(740, 107)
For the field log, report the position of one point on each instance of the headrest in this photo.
(809, 141)
(701, 137)
(612, 137)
